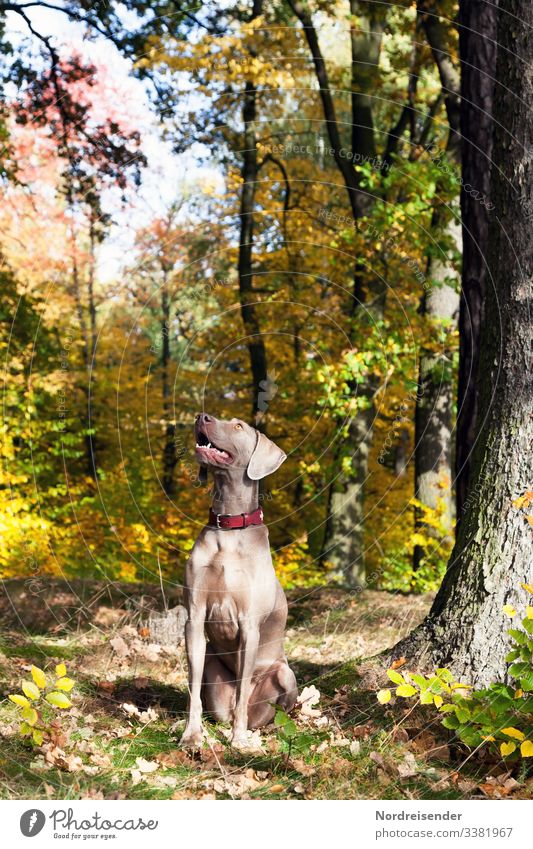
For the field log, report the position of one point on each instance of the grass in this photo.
(353, 748)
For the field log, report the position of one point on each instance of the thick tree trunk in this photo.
(478, 49)
(249, 173)
(466, 628)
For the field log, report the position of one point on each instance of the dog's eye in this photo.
(238, 426)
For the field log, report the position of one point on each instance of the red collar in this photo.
(241, 520)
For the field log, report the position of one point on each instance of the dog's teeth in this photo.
(208, 445)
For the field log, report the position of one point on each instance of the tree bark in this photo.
(249, 173)
(466, 628)
(478, 50)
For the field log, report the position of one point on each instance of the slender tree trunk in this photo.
(343, 544)
(169, 448)
(90, 455)
(478, 49)
(92, 445)
(466, 628)
(249, 172)
(434, 411)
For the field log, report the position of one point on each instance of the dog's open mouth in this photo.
(209, 451)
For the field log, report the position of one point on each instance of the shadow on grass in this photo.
(142, 692)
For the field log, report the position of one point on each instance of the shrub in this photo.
(500, 715)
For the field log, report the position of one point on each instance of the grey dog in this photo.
(237, 609)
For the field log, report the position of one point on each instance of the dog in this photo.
(237, 610)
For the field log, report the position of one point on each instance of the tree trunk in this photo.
(435, 394)
(249, 173)
(466, 628)
(343, 543)
(434, 405)
(478, 49)
(90, 455)
(169, 448)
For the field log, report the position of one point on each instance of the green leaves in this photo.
(395, 677)
(500, 714)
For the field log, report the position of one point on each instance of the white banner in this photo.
(256, 824)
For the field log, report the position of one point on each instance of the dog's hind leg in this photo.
(276, 687)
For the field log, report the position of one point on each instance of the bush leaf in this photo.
(526, 749)
(39, 677)
(384, 696)
(513, 732)
(30, 690)
(61, 670)
(65, 684)
(507, 749)
(30, 715)
(21, 701)
(395, 677)
(405, 690)
(58, 700)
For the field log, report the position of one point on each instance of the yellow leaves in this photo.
(526, 749)
(384, 696)
(30, 690)
(21, 701)
(437, 701)
(514, 733)
(61, 670)
(39, 677)
(523, 500)
(30, 715)
(518, 694)
(406, 691)
(395, 677)
(507, 749)
(528, 588)
(509, 610)
(529, 612)
(58, 700)
(65, 684)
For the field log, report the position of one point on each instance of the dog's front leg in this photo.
(195, 643)
(248, 646)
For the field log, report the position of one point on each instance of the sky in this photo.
(168, 177)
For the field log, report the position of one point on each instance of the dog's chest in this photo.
(222, 624)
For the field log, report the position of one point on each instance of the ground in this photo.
(120, 738)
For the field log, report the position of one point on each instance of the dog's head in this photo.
(234, 444)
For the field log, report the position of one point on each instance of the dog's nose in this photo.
(203, 418)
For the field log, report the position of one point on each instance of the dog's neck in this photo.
(234, 493)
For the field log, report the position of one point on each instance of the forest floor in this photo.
(120, 738)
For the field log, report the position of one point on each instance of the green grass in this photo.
(109, 742)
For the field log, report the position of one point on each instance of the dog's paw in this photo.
(191, 739)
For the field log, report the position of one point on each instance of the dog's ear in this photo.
(267, 457)
(202, 475)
